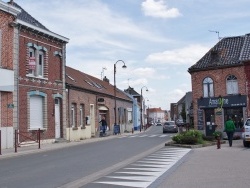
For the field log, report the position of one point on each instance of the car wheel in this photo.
(245, 143)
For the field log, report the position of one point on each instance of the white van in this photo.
(246, 133)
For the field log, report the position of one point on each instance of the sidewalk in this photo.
(24, 150)
(209, 167)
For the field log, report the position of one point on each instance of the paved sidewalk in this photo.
(209, 167)
(24, 150)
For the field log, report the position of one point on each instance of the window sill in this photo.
(38, 77)
(36, 129)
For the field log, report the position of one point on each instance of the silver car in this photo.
(170, 126)
(246, 133)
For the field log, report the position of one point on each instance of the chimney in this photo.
(105, 79)
(11, 2)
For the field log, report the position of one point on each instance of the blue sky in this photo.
(157, 39)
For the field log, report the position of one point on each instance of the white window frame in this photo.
(40, 64)
(208, 87)
(32, 53)
(72, 114)
(81, 116)
(232, 85)
(0, 47)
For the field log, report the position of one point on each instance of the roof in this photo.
(159, 110)
(88, 83)
(131, 91)
(25, 19)
(9, 9)
(230, 51)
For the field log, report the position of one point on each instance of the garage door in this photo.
(36, 112)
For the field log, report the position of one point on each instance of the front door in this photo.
(209, 121)
(57, 118)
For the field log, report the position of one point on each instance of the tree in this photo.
(183, 112)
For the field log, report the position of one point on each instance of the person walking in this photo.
(229, 129)
(104, 125)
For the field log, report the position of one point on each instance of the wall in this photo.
(219, 78)
(51, 84)
(90, 98)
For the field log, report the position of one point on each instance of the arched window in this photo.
(208, 87)
(232, 85)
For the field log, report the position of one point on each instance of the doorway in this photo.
(209, 121)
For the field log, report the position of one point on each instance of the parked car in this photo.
(170, 126)
(158, 124)
(246, 133)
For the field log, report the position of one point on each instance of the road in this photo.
(89, 164)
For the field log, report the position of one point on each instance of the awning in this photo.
(103, 108)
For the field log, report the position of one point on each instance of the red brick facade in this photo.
(219, 77)
(6, 62)
(50, 85)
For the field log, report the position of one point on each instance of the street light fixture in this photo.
(141, 106)
(124, 66)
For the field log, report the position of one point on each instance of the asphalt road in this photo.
(81, 164)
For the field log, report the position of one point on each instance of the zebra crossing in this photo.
(144, 172)
(144, 135)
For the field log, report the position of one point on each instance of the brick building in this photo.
(8, 100)
(220, 85)
(89, 99)
(40, 76)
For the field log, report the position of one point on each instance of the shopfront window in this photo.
(236, 114)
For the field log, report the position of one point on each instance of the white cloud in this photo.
(159, 9)
(142, 72)
(187, 55)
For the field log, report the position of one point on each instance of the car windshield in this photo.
(247, 122)
(169, 123)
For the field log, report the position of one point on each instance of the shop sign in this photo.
(223, 102)
(32, 63)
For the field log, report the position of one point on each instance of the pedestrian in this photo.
(104, 125)
(229, 129)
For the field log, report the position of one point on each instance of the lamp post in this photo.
(124, 66)
(141, 106)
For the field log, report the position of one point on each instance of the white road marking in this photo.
(149, 169)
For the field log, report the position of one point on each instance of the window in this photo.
(36, 61)
(40, 64)
(208, 87)
(232, 85)
(0, 46)
(73, 115)
(82, 115)
(31, 54)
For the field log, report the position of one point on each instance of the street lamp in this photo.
(141, 106)
(124, 66)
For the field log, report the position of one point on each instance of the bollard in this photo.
(218, 142)
(132, 130)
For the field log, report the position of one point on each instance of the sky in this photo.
(158, 40)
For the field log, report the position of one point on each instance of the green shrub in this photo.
(189, 137)
(189, 140)
(208, 138)
(177, 138)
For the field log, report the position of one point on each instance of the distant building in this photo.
(156, 115)
(88, 100)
